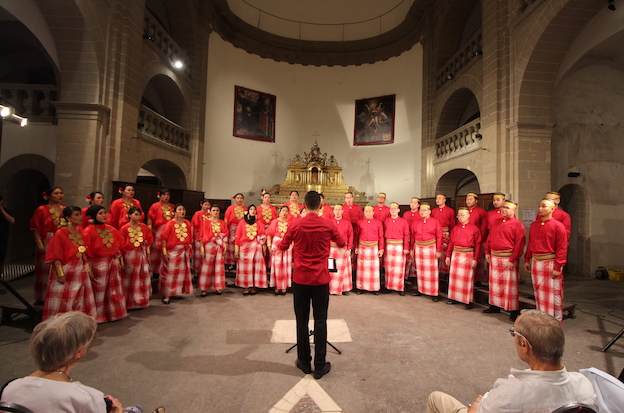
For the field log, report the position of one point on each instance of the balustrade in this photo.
(164, 43)
(157, 127)
(30, 101)
(460, 141)
(471, 50)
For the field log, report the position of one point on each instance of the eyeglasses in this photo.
(515, 333)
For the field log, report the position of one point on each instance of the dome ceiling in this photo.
(323, 32)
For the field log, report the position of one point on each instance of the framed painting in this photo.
(374, 121)
(254, 114)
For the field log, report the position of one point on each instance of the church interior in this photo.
(514, 96)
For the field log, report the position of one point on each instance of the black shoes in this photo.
(513, 315)
(450, 302)
(434, 299)
(401, 293)
(165, 302)
(469, 306)
(492, 309)
(323, 371)
(306, 368)
(345, 293)
(375, 292)
(417, 294)
(359, 292)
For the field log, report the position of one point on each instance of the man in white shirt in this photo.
(542, 388)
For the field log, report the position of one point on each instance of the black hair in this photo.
(92, 213)
(54, 188)
(92, 196)
(68, 211)
(312, 200)
(249, 218)
(133, 210)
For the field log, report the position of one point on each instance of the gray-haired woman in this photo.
(56, 345)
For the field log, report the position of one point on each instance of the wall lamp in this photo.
(611, 5)
(147, 36)
(449, 77)
(8, 114)
(477, 53)
(178, 64)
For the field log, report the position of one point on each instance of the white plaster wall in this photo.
(35, 138)
(589, 112)
(311, 100)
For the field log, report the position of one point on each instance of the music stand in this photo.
(310, 334)
(8, 312)
(613, 340)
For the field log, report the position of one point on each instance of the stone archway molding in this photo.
(25, 161)
(170, 174)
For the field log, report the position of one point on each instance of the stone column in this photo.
(82, 148)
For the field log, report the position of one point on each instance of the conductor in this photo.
(311, 236)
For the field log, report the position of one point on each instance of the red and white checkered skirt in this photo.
(504, 284)
(481, 263)
(137, 280)
(281, 265)
(251, 270)
(42, 269)
(75, 294)
(175, 274)
(367, 274)
(461, 277)
(197, 258)
(156, 251)
(230, 259)
(212, 271)
(427, 268)
(395, 267)
(340, 281)
(110, 300)
(548, 290)
(445, 241)
(410, 267)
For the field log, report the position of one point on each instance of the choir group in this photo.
(101, 261)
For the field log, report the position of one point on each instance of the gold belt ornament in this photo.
(502, 254)
(368, 243)
(426, 243)
(544, 257)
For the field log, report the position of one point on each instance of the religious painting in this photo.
(374, 121)
(254, 114)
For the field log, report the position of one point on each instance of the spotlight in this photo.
(147, 36)
(611, 5)
(5, 111)
(178, 64)
(477, 53)
(19, 120)
(449, 77)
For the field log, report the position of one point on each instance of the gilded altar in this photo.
(315, 171)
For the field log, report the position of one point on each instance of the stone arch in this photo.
(452, 107)
(22, 180)
(535, 83)
(575, 201)
(448, 33)
(169, 174)
(163, 95)
(458, 182)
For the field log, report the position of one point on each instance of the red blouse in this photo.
(176, 234)
(45, 220)
(160, 213)
(278, 228)
(294, 210)
(548, 237)
(234, 214)
(381, 213)
(445, 216)
(212, 229)
(352, 213)
(135, 238)
(266, 214)
(104, 240)
(118, 211)
(345, 229)
(66, 247)
(247, 233)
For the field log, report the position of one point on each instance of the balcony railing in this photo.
(460, 141)
(471, 50)
(155, 128)
(31, 101)
(164, 44)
